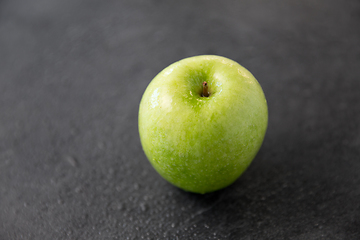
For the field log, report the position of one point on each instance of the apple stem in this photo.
(205, 90)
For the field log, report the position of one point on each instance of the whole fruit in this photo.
(202, 120)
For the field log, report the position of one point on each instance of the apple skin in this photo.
(202, 144)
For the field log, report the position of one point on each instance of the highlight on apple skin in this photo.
(202, 121)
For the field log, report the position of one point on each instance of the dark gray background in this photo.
(72, 75)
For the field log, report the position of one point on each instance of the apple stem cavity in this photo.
(205, 92)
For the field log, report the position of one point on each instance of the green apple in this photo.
(202, 120)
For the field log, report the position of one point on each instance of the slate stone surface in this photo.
(72, 73)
